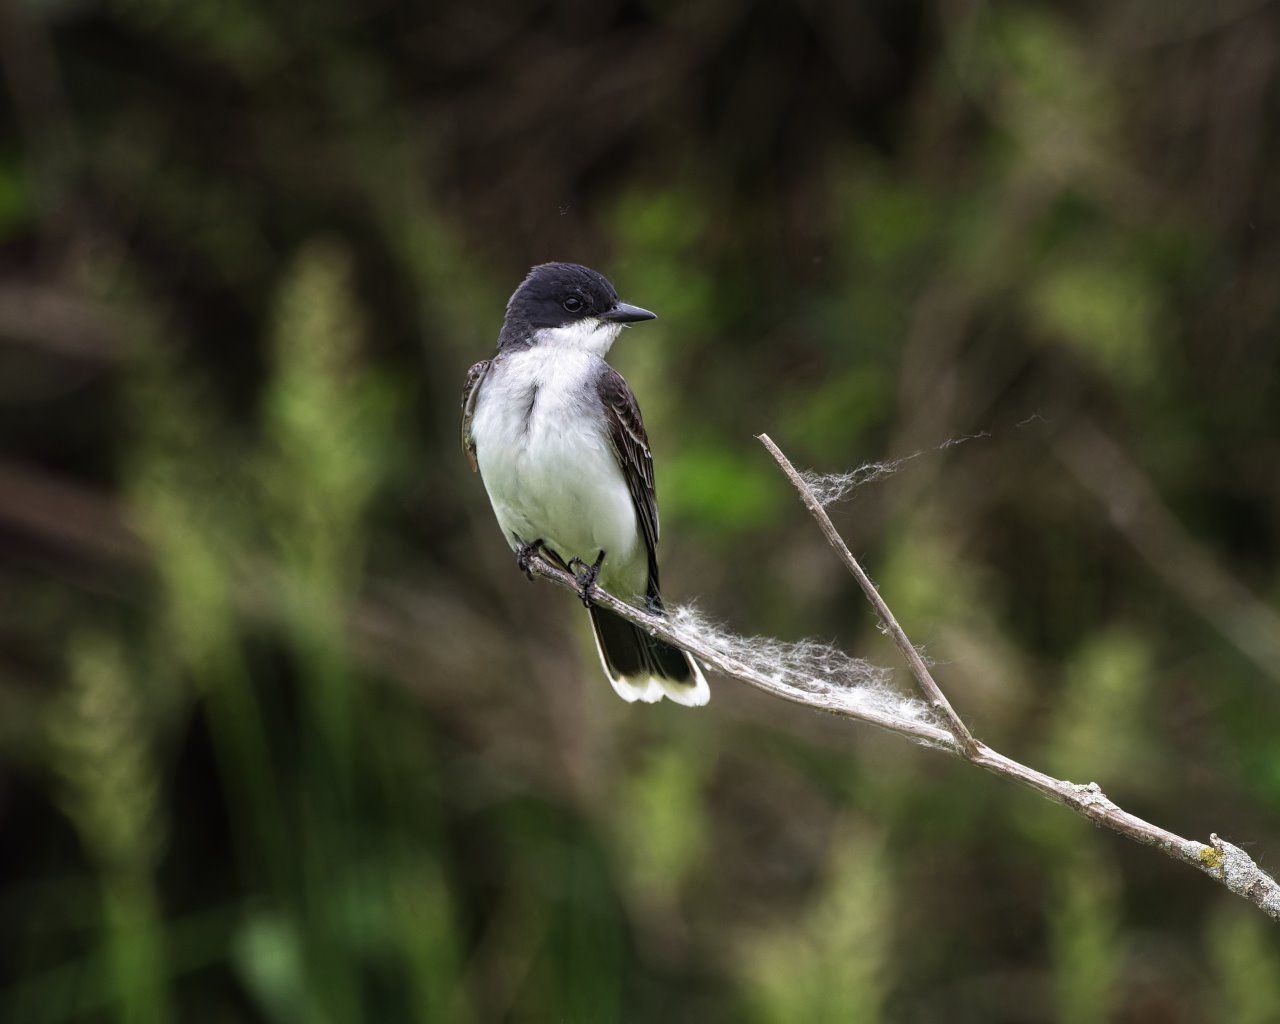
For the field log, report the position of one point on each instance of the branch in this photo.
(932, 692)
(710, 651)
(1220, 860)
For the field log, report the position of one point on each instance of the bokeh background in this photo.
(284, 735)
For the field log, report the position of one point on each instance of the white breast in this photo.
(548, 465)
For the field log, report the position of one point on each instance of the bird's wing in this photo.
(631, 448)
(475, 376)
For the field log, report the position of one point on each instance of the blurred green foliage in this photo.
(109, 790)
(1246, 967)
(285, 738)
(831, 964)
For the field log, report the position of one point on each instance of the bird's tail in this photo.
(644, 668)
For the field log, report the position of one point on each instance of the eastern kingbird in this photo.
(556, 434)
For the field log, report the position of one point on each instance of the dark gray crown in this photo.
(553, 295)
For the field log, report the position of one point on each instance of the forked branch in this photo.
(969, 747)
(1220, 860)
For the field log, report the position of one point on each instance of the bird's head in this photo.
(567, 305)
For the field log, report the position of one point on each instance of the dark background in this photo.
(284, 736)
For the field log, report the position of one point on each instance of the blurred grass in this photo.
(101, 749)
(834, 964)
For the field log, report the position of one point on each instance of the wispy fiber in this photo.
(808, 666)
(830, 488)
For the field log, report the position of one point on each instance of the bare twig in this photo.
(58, 321)
(1220, 860)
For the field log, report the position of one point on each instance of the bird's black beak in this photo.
(625, 313)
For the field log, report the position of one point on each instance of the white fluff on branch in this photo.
(830, 488)
(807, 666)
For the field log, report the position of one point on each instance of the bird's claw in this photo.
(524, 557)
(586, 577)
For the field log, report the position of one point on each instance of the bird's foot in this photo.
(587, 577)
(524, 555)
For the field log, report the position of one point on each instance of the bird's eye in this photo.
(573, 303)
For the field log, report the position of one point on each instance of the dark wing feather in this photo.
(631, 447)
(475, 376)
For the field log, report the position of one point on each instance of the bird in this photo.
(557, 437)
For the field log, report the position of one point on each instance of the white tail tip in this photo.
(692, 694)
(651, 689)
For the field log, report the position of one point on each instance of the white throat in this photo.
(592, 335)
